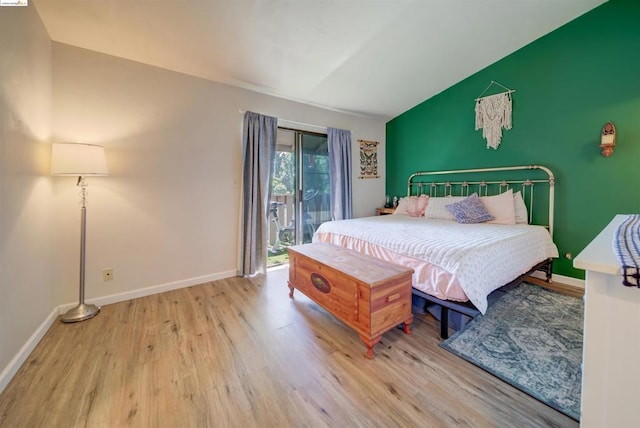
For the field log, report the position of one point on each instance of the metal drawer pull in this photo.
(393, 297)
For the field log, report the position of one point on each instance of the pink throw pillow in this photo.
(421, 205)
(413, 206)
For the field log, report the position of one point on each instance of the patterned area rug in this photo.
(532, 339)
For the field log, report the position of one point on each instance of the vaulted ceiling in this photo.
(371, 57)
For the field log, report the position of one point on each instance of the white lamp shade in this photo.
(78, 159)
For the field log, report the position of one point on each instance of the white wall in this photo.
(168, 213)
(27, 293)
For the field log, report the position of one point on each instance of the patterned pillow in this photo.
(470, 210)
(413, 206)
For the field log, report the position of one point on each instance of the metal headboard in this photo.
(417, 184)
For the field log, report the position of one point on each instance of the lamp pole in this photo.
(82, 311)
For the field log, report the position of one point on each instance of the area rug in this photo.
(532, 339)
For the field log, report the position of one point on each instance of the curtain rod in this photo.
(293, 122)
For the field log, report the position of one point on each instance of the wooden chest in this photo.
(369, 295)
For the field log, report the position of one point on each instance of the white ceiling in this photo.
(371, 57)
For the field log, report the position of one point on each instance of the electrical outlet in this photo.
(107, 274)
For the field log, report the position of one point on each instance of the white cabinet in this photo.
(611, 355)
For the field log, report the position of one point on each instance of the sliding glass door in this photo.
(299, 189)
(313, 185)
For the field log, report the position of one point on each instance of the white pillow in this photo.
(501, 207)
(522, 216)
(436, 208)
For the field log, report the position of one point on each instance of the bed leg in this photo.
(444, 322)
(549, 269)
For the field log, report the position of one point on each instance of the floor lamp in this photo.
(79, 160)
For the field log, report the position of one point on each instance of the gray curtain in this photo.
(339, 142)
(259, 148)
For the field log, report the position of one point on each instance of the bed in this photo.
(458, 265)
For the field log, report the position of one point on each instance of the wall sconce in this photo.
(608, 139)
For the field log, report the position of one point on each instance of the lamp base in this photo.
(80, 312)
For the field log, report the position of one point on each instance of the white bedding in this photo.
(450, 260)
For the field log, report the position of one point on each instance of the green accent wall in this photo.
(568, 84)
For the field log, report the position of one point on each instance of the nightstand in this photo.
(385, 211)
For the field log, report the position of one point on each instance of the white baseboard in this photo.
(17, 361)
(148, 291)
(574, 282)
(14, 365)
(579, 283)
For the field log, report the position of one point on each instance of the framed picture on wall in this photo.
(368, 159)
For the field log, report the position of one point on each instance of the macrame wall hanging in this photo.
(493, 113)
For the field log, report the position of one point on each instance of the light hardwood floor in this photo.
(240, 353)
